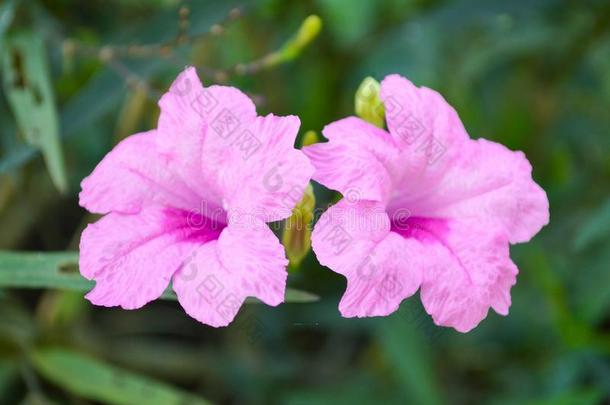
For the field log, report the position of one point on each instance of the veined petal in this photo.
(261, 173)
(132, 175)
(194, 127)
(133, 257)
(472, 272)
(488, 182)
(206, 290)
(359, 160)
(249, 247)
(381, 267)
(391, 272)
(416, 114)
(346, 232)
(447, 175)
(247, 260)
(233, 158)
(427, 131)
(188, 107)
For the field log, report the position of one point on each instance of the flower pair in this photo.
(425, 208)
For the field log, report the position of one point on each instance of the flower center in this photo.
(196, 226)
(426, 230)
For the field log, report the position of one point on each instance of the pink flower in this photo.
(188, 203)
(424, 207)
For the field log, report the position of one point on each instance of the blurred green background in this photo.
(533, 75)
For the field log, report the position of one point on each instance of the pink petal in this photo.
(133, 257)
(382, 268)
(187, 108)
(390, 273)
(134, 174)
(249, 247)
(357, 160)
(265, 176)
(417, 116)
(206, 290)
(447, 175)
(472, 272)
(427, 131)
(488, 182)
(240, 161)
(196, 127)
(247, 260)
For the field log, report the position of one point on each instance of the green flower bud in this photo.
(296, 237)
(368, 105)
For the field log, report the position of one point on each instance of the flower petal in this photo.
(249, 247)
(381, 267)
(390, 273)
(134, 174)
(356, 161)
(243, 161)
(447, 175)
(247, 260)
(429, 137)
(196, 127)
(187, 108)
(207, 290)
(262, 174)
(472, 272)
(133, 257)
(416, 115)
(490, 181)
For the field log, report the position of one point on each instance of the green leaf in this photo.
(589, 287)
(92, 379)
(42, 270)
(28, 89)
(59, 270)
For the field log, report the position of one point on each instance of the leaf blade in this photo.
(27, 84)
(93, 379)
(59, 270)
